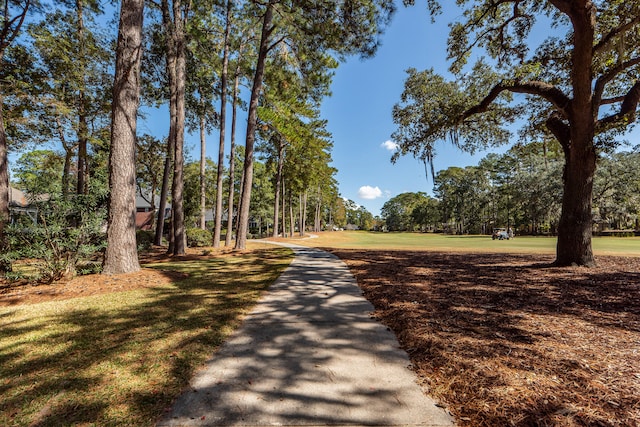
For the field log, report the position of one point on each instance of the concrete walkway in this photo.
(308, 355)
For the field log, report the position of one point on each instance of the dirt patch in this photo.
(508, 340)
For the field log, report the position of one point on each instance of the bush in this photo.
(197, 237)
(68, 230)
(144, 239)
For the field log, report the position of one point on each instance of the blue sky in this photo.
(359, 112)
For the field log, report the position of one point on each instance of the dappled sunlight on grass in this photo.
(120, 358)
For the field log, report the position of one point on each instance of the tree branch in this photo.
(549, 92)
(560, 130)
(155, 3)
(614, 33)
(11, 28)
(563, 6)
(500, 29)
(602, 81)
(627, 108)
(276, 42)
(608, 101)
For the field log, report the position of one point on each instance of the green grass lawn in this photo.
(118, 359)
(626, 246)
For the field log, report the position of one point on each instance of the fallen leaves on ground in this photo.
(93, 284)
(499, 339)
(510, 340)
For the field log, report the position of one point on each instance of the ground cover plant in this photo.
(503, 338)
(115, 350)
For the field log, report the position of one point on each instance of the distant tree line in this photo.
(521, 190)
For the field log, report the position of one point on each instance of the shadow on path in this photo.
(308, 354)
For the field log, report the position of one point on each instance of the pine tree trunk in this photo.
(292, 219)
(177, 194)
(243, 214)
(316, 216)
(4, 187)
(278, 184)
(305, 198)
(232, 153)
(302, 209)
(11, 29)
(203, 184)
(232, 161)
(121, 254)
(164, 192)
(171, 77)
(284, 216)
(223, 118)
(68, 154)
(82, 185)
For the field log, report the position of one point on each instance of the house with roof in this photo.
(21, 206)
(146, 211)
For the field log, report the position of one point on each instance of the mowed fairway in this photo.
(624, 246)
(500, 336)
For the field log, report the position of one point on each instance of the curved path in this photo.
(308, 354)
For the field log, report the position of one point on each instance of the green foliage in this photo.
(39, 172)
(67, 232)
(354, 215)
(197, 237)
(192, 189)
(521, 189)
(144, 239)
(617, 191)
(431, 110)
(151, 154)
(407, 211)
(74, 58)
(261, 208)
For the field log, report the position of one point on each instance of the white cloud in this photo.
(369, 193)
(389, 145)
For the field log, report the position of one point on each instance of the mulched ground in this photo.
(508, 340)
(26, 292)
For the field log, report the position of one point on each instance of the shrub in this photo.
(144, 239)
(197, 237)
(68, 230)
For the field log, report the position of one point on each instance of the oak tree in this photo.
(580, 85)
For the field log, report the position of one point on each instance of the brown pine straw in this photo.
(507, 340)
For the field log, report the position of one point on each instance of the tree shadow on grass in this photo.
(149, 346)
